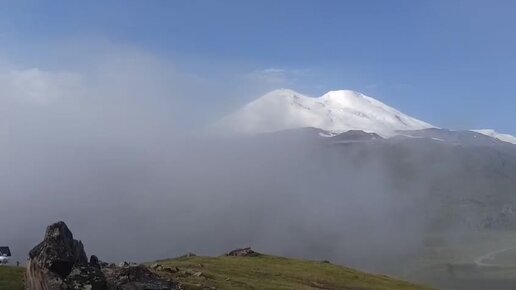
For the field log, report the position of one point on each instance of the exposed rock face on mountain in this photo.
(60, 263)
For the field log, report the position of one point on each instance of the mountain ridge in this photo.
(336, 111)
(494, 134)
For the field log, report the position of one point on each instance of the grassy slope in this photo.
(268, 272)
(264, 272)
(11, 278)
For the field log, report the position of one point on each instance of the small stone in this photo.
(155, 266)
(317, 285)
(123, 264)
(172, 270)
(197, 274)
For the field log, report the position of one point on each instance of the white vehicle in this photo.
(5, 255)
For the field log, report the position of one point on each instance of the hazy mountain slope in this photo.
(336, 111)
(458, 137)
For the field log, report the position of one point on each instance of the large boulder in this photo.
(59, 252)
(60, 263)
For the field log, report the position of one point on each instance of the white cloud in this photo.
(38, 86)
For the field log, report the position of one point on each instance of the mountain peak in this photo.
(344, 94)
(336, 111)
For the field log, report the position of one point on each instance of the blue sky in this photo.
(450, 63)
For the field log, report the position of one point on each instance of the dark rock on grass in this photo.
(244, 252)
(161, 268)
(60, 263)
(136, 277)
(86, 277)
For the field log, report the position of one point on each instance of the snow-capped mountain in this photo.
(335, 111)
(492, 133)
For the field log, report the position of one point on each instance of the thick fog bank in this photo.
(138, 194)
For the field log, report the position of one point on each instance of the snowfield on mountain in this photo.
(335, 112)
(492, 133)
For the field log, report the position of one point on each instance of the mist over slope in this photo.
(367, 204)
(127, 174)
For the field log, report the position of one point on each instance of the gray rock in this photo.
(60, 263)
(244, 252)
(137, 277)
(123, 264)
(59, 252)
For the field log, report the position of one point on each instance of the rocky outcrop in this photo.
(135, 277)
(60, 263)
(244, 252)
